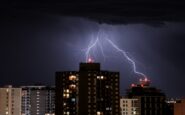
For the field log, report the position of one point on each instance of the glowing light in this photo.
(72, 86)
(90, 60)
(72, 77)
(144, 82)
(133, 85)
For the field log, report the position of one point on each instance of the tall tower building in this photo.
(151, 99)
(38, 100)
(10, 101)
(89, 91)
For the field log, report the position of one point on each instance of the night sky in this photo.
(38, 40)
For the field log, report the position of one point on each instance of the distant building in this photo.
(10, 101)
(129, 106)
(179, 107)
(88, 91)
(152, 100)
(170, 106)
(38, 100)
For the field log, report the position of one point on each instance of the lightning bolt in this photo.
(98, 42)
(127, 57)
(92, 45)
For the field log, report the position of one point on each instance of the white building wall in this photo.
(10, 101)
(129, 106)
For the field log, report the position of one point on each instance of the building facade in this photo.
(38, 100)
(10, 100)
(152, 100)
(129, 106)
(88, 91)
(179, 107)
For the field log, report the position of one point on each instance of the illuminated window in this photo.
(67, 95)
(98, 113)
(72, 77)
(72, 86)
(73, 99)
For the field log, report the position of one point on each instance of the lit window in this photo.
(99, 113)
(72, 86)
(67, 95)
(72, 77)
(73, 99)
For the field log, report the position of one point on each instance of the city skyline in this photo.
(35, 43)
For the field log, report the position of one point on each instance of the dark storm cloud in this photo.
(149, 12)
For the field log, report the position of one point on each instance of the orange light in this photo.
(72, 77)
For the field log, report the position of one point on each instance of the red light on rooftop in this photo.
(133, 85)
(144, 82)
(90, 60)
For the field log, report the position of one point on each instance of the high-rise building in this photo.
(152, 100)
(179, 107)
(38, 100)
(10, 100)
(129, 106)
(88, 91)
